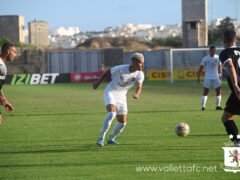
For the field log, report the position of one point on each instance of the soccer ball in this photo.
(182, 129)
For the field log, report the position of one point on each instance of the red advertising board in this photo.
(85, 77)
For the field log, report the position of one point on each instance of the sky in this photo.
(96, 15)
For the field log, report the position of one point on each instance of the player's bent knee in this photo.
(218, 94)
(223, 119)
(218, 91)
(205, 92)
(111, 108)
(122, 118)
(227, 117)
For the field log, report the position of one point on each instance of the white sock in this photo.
(107, 123)
(218, 100)
(117, 130)
(204, 100)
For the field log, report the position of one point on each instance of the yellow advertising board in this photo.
(177, 75)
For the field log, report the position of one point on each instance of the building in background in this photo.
(194, 23)
(38, 33)
(12, 27)
(71, 36)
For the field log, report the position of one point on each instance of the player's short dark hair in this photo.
(229, 36)
(212, 47)
(6, 47)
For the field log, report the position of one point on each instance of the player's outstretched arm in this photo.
(199, 73)
(106, 73)
(138, 91)
(6, 104)
(233, 77)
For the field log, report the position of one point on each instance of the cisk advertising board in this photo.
(177, 75)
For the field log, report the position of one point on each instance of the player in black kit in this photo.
(230, 57)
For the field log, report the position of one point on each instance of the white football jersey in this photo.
(123, 80)
(3, 70)
(211, 65)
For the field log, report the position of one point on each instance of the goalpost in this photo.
(187, 56)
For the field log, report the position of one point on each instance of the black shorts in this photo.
(232, 105)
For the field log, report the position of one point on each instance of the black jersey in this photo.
(232, 53)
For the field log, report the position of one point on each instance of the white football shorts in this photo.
(212, 82)
(119, 100)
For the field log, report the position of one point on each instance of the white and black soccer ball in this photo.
(182, 129)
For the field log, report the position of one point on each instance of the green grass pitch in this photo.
(52, 134)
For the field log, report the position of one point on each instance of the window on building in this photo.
(193, 25)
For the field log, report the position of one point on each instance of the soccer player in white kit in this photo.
(213, 77)
(123, 78)
(8, 54)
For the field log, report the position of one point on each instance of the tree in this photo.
(215, 36)
(175, 42)
(25, 45)
(160, 41)
(3, 40)
(225, 25)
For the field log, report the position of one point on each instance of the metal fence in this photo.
(156, 60)
(181, 58)
(68, 61)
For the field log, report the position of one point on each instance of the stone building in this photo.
(194, 23)
(38, 33)
(12, 27)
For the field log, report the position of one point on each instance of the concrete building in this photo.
(38, 33)
(194, 23)
(70, 37)
(12, 27)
